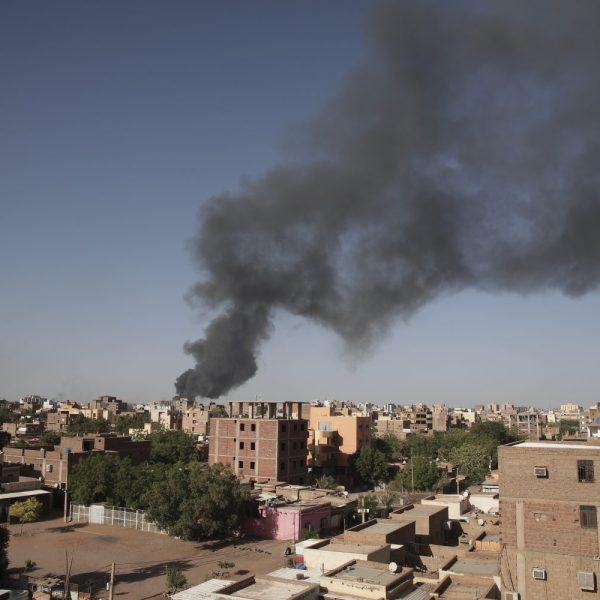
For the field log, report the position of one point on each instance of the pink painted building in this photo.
(288, 522)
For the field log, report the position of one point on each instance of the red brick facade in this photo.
(542, 524)
(274, 449)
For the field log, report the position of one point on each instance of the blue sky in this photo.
(117, 120)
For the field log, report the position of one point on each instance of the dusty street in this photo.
(140, 557)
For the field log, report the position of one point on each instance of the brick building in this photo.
(54, 466)
(259, 440)
(549, 498)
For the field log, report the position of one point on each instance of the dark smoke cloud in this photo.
(463, 153)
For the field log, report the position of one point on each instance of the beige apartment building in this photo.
(334, 437)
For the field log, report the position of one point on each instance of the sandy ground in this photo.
(140, 557)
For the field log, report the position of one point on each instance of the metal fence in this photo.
(113, 515)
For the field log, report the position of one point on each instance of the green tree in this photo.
(175, 579)
(389, 445)
(26, 511)
(114, 480)
(326, 482)
(567, 427)
(8, 416)
(387, 500)
(370, 466)
(126, 422)
(171, 447)
(4, 438)
(50, 438)
(80, 425)
(196, 501)
(93, 479)
(472, 461)
(422, 470)
(370, 502)
(4, 539)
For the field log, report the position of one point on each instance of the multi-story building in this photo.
(195, 419)
(334, 437)
(54, 466)
(260, 442)
(529, 424)
(549, 499)
(31, 403)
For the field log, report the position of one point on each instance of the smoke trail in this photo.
(462, 153)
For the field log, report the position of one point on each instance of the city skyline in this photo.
(120, 123)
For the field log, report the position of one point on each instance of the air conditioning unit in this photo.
(512, 596)
(539, 573)
(586, 580)
(540, 471)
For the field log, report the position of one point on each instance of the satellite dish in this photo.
(392, 567)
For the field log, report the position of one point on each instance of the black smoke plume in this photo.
(463, 153)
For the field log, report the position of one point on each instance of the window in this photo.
(241, 464)
(295, 427)
(282, 466)
(241, 445)
(302, 426)
(253, 427)
(242, 427)
(252, 465)
(587, 517)
(252, 446)
(294, 445)
(301, 463)
(585, 471)
(293, 464)
(283, 445)
(283, 427)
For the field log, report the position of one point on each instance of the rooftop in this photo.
(381, 527)
(558, 445)
(471, 567)
(203, 591)
(420, 510)
(269, 589)
(366, 574)
(352, 548)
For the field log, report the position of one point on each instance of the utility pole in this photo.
(111, 590)
(66, 507)
(412, 473)
(457, 483)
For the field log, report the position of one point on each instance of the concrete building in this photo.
(54, 466)
(195, 420)
(529, 424)
(31, 403)
(259, 441)
(549, 499)
(430, 521)
(334, 437)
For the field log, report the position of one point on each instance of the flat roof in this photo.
(11, 495)
(269, 589)
(310, 575)
(559, 445)
(366, 574)
(352, 548)
(202, 591)
(381, 527)
(420, 510)
(472, 567)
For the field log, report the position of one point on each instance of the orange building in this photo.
(333, 437)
